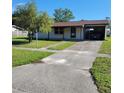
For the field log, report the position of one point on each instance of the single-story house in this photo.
(76, 30)
(18, 31)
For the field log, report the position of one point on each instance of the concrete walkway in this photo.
(37, 49)
(63, 72)
(42, 49)
(61, 42)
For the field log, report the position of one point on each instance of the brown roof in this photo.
(79, 23)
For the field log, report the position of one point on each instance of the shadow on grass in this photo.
(19, 42)
(48, 39)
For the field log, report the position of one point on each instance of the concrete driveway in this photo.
(64, 72)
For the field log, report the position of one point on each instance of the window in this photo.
(58, 30)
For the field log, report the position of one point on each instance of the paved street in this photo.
(63, 72)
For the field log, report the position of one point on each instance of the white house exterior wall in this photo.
(42, 35)
(78, 33)
(17, 32)
(67, 34)
(52, 35)
(82, 34)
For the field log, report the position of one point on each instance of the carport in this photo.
(77, 30)
(94, 32)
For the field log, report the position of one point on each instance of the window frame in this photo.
(58, 30)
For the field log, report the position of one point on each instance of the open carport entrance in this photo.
(94, 32)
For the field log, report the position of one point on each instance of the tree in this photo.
(25, 16)
(63, 15)
(19, 16)
(44, 22)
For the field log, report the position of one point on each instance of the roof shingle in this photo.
(79, 23)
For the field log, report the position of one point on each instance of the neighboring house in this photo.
(17, 31)
(76, 30)
(108, 32)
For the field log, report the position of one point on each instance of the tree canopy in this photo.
(44, 22)
(27, 17)
(24, 16)
(63, 15)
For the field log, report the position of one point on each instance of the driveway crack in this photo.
(20, 90)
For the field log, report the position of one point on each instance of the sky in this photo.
(82, 9)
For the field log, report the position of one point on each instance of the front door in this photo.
(73, 32)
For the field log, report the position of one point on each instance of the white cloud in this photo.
(20, 4)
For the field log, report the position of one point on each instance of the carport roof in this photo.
(80, 23)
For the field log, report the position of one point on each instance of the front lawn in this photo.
(106, 46)
(62, 46)
(101, 72)
(21, 57)
(23, 42)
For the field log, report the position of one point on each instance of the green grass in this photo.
(23, 42)
(62, 46)
(19, 37)
(106, 46)
(101, 72)
(21, 57)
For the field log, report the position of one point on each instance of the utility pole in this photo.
(36, 38)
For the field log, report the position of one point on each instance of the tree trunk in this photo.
(30, 37)
(48, 35)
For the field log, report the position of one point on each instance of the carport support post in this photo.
(106, 31)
